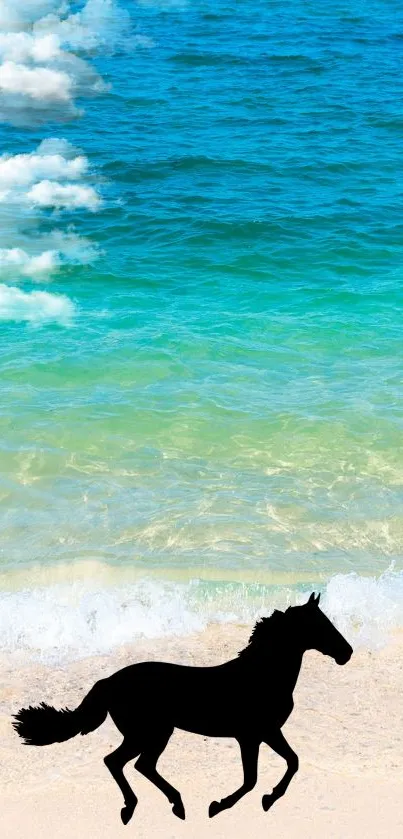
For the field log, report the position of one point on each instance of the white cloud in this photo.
(36, 307)
(38, 83)
(40, 259)
(39, 75)
(53, 176)
(20, 46)
(19, 261)
(40, 79)
(41, 178)
(71, 247)
(69, 196)
(56, 145)
(43, 265)
(19, 14)
(99, 23)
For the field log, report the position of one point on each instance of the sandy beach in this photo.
(346, 728)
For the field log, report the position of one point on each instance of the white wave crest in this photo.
(89, 616)
(366, 609)
(79, 620)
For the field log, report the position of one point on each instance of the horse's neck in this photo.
(281, 663)
(288, 666)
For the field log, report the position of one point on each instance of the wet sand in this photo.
(347, 728)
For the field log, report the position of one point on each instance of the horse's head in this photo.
(317, 632)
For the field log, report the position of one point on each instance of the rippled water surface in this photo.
(226, 399)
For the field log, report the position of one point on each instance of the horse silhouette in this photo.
(249, 698)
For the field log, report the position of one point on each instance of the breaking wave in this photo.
(97, 613)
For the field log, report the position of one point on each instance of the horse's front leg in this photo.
(278, 743)
(249, 755)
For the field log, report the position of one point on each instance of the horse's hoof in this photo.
(179, 810)
(126, 814)
(214, 809)
(267, 802)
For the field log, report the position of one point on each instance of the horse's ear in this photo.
(313, 601)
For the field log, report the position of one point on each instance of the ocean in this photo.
(201, 249)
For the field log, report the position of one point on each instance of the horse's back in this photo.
(215, 701)
(165, 677)
(173, 694)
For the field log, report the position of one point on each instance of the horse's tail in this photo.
(44, 724)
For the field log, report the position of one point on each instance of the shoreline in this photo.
(346, 728)
(62, 619)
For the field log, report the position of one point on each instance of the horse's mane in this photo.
(264, 631)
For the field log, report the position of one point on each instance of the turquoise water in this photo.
(218, 394)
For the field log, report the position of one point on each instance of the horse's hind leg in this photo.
(115, 763)
(249, 754)
(279, 744)
(146, 764)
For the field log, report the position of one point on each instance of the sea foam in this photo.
(69, 620)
